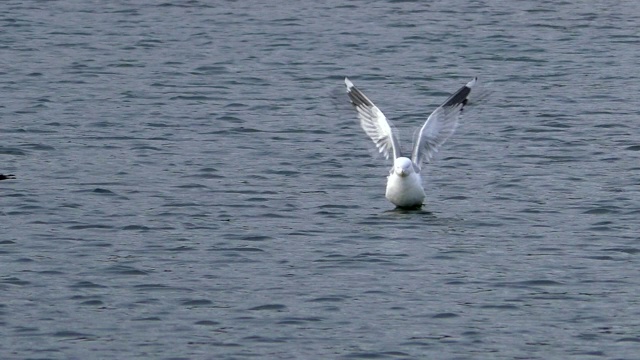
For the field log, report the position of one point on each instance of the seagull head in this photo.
(402, 166)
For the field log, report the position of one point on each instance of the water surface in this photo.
(192, 184)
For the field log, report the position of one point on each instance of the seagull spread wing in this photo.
(440, 125)
(374, 123)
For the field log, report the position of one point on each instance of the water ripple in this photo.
(192, 182)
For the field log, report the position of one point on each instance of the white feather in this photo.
(374, 123)
(404, 185)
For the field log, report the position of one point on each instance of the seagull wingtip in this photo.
(348, 82)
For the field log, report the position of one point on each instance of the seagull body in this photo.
(404, 184)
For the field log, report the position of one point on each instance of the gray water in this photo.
(192, 183)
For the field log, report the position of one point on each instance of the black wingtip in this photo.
(356, 96)
(460, 96)
(8, 176)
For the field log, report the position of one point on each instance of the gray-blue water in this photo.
(192, 183)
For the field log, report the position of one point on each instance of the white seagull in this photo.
(404, 184)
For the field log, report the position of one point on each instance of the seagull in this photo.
(404, 184)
